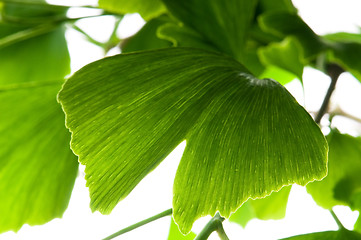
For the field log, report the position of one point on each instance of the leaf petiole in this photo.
(141, 223)
(215, 224)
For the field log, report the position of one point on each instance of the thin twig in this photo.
(334, 71)
(139, 224)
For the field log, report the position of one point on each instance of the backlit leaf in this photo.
(146, 38)
(241, 140)
(344, 167)
(342, 234)
(286, 55)
(175, 234)
(37, 169)
(223, 23)
(270, 207)
(285, 24)
(148, 9)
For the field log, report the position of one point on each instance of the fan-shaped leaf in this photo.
(344, 167)
(128, 112)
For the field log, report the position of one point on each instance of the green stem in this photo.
(26, 34)
(339, 224)
(88, 38)
(43, 4)
(215, 224)
(139, 224)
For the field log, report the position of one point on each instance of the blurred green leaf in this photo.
(37, 169)
(236, 128)
(146, 38)
(277, 5)
(148, 9)
(270, 207)
(40, 58)
(286, 55)
(175, 234)
(345, 49)
(347, 55)
(344, 37)
(282, 76)
(182, 36)
(223, 23)
(344, 167)
(284, 24)
(35, 152)
(342, 234)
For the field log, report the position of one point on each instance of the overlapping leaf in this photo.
(270, 207)
(345, 49)
(342, 234)
(286, 55)
(223, 23)
(175, 234)
(344, 167)
(146, 38)
(37, 169)
(284, 23)
(128, 112)
(148, 9)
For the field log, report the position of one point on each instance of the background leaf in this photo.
(146, 38)
(148, 9)
(223, 23)
(344, 167)
(270, 207)
(138, 113)
(175, 234)
(283, 24)
(342, 234)
(37, 169)
(286, 55)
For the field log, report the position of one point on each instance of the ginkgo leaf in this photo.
(224, 24)
(270, 207)
(182, 36)
(149, 32)
(283, 23)
(127, 115)
(344, 167)
(38, 169)
(148, 9)
(342, 234)
(175, 234)
(286, 55)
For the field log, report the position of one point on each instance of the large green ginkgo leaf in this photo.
(245, 137)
